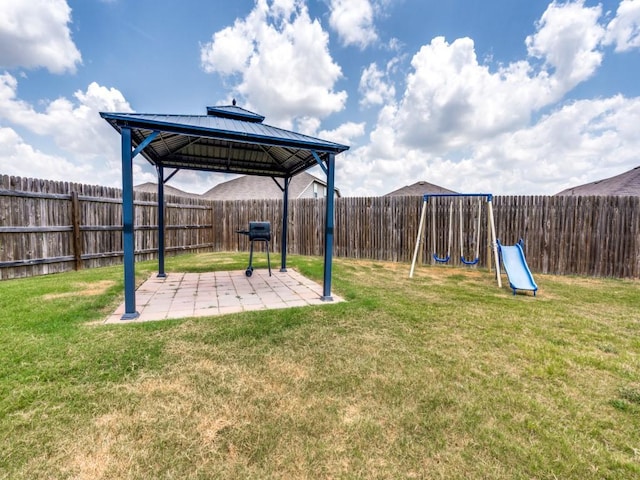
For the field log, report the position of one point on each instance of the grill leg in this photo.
(251, 255)
(249, 270)
(268, 258)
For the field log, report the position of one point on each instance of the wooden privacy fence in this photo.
(48, 227)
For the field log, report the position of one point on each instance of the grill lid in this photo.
(260, 231)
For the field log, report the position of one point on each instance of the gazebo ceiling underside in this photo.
(173, 150)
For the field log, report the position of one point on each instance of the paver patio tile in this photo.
(181, 295)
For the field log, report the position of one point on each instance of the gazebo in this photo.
(227, 139)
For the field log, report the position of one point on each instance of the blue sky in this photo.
(501, 96)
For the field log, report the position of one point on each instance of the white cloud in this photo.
(452, 100)
(21, 159)
(624, 29)
(40, 28)
(90, 146)
(344, 134)
(453, 120)
(308, 125)
(75, 126)
(575, 144)
(375, 88)
(467, 127)
(278, 41)
(353, 21)
(567, 40)
(229, 50)
(583, 141)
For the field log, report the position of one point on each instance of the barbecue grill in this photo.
(258, 232)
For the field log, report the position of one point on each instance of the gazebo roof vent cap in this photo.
(234, 112)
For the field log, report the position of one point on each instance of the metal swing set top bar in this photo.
(494, 244)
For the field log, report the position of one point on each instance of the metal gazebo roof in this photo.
(228, 139)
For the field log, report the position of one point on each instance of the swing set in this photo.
(487, 197)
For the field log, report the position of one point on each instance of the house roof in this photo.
(251, 187)
(418, 189)
(627, 183)
(151, 187)
(228, 139)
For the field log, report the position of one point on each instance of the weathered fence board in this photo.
(48, 227)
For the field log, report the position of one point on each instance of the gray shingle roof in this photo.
(418, 189)
(625, 184)
(151, 187)
(252, 187)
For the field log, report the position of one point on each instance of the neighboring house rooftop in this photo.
(418, 189)
(151, 187)
(254, 187)
(625, 184)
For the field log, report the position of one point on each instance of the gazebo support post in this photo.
(161, 229)
(328, 229)
(285, 224)
(128, 238)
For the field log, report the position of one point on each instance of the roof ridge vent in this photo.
(234, 112)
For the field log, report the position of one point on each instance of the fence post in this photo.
(77, 234)
(212, 232)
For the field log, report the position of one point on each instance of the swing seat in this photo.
(469, 262)
(441, 260)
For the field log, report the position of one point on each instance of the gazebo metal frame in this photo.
(228, 139)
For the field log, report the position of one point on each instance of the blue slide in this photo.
(515, 265)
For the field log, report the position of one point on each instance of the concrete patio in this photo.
(182, 295)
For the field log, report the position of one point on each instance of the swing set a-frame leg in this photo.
(418, 238)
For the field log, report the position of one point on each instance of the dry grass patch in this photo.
(82, 289)
(165, 416)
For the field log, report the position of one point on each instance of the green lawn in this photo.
(442, 376)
